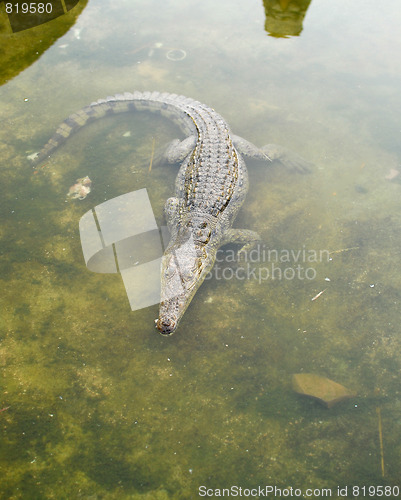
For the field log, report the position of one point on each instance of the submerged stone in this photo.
(326, 391)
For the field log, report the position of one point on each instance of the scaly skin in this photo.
(210, 188)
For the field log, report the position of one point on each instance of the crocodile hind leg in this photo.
(272, 152)
(175, 151)
(288, 158)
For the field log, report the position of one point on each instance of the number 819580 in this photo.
(29, 8)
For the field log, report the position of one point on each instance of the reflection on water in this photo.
(285, 17)
(37, 31)
(94, 402)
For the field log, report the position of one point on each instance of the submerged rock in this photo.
(393, 174)
(326, 391)
(360, 189)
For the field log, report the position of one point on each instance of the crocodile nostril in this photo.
(165, 326)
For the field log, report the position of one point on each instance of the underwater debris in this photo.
(318, 294)
(324, 390)
(80, 189)
(379, 417)
(343, 250)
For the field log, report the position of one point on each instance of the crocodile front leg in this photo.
(245, 237)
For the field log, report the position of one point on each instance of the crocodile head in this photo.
(184, 268)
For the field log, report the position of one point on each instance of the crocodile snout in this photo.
(166, 326)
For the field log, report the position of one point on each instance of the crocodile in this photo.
(210, 188)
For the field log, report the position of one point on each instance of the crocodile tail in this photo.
(120, 103)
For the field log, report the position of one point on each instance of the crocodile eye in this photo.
(203, 235)
(171, 268)
(186, 275)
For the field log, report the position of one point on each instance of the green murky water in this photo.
(95, 403)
